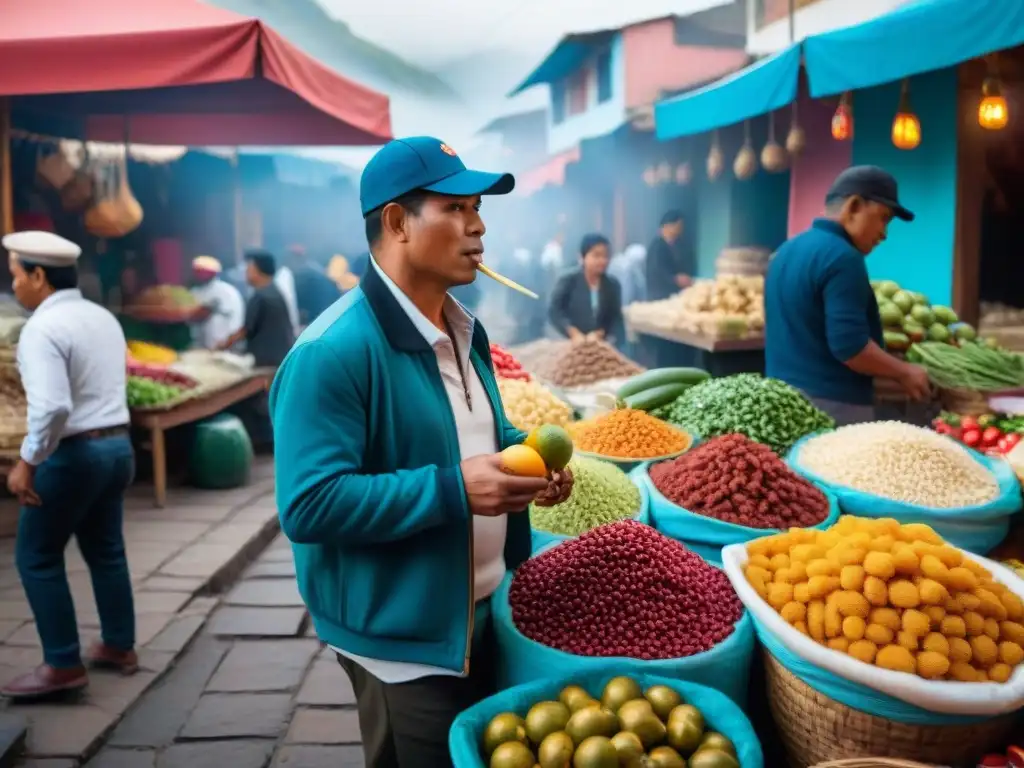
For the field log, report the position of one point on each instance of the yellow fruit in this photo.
(524, 461)
(553, 444)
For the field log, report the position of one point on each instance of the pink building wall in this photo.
(654, 62)
(817, 167)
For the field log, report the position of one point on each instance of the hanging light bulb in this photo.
(842, 120)
(906, 127)
(683, 174)
(650, 176)
(993, 114)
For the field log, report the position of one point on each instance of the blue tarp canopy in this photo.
(565, 58)
(765, 86)
(921, 36)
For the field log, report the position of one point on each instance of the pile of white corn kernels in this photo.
(900, 462)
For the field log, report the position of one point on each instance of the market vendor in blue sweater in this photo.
(388, 424)
(823, 334)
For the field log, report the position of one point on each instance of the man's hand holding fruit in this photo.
(505, 482)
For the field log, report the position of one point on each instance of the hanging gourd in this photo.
(796, 139)
(716, 159)
(773, 156)
(745, 165)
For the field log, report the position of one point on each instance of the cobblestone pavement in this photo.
(196, 544)
(254, 689)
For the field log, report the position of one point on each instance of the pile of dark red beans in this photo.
(736, 480)
(623, 589)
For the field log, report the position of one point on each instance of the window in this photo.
(557, 102)
(577, 95)
(604, 76)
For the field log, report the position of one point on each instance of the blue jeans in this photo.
(81, 487)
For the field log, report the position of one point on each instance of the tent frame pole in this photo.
(6, 178)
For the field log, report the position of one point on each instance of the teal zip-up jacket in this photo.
(369, 489)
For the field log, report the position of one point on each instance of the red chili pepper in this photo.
(971, 437)
(1012, 438)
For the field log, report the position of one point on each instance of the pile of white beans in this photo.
(900, 462)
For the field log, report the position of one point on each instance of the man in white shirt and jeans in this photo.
(76, 462)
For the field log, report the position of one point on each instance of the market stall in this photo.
(853, 551)
(719, 321)
(196, 386)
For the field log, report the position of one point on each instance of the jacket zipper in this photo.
(471, 612)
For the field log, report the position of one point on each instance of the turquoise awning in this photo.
(765, 86)
(564, 59)
(921, 36)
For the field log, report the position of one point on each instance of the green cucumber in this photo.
(657, 377)
(655, 397)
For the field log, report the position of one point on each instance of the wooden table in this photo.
(159, 421)
(722, 357)
(706, 343)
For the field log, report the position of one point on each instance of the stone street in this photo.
(179, 556)
(255, 688)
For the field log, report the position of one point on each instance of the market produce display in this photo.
(991, 433)
(170, 296)
(909, 317)
(901, 462)
(766, 410)
(529, 404)
(658, 387)
(144, 392)
(537, 354)
(546, 449)
(601, 493)
(896, 596)
(627, 433)
(163, 304)
(736, 480)
(506, 366)
(729, 306)
(144, 352)
(623, 590)
(160, 373)
(584, 362)
(971, 365)
(619, 725)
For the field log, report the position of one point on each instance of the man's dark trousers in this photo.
(81, 487)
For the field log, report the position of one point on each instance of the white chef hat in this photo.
(43, 248)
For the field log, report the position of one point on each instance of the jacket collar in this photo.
(399, 330)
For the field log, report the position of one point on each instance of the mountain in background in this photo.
(332, 43)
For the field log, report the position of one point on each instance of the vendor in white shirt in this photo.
(223, 308)
(76, 462)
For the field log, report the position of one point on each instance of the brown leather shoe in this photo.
(45, 681)
(104, 657)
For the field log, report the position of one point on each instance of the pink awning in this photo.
(551, 172)
(178, 72)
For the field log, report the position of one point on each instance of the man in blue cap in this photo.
(388, 424)
(823, 334)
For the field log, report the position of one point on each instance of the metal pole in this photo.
(792, 21)
(6, 181)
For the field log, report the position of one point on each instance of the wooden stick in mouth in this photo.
(506, 282)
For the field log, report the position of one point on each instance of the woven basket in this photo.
(965, 402)
(816, 729)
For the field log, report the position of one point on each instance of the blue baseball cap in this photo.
(423, 162)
